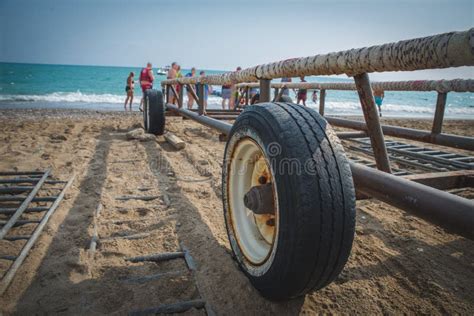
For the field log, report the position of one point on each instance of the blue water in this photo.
(99, 87)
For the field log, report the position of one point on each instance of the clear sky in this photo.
(218, 34)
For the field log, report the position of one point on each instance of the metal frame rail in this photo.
(446, 50)
(12, 216)
(435, 136)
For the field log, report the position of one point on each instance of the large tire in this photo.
(154, 112)
(312, 230)
(145, 112)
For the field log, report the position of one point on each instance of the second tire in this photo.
(154, 112)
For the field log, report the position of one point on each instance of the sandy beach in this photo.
(399, 263)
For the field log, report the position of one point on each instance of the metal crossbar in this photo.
(12, 217)
(422, 157)
(371, 164)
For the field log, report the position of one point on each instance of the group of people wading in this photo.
(231, 97)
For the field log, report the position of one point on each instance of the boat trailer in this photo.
(288, 187)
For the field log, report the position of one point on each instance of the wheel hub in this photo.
(259, 199)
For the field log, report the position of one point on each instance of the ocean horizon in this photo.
(25, 85)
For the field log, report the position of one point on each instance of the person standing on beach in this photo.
(286, 91)
(234, 99)
(172, 75)
(302, 93)
(146, 81)
(378, 98)
(178, 75)
(188, 92)
(129, 90)
(226, 95)
(253, 92)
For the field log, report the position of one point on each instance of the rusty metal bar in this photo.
(11, 221)
(176, 96)
(167, 93)
(247, 96)
(29, 180)
(444, 180)
(439, 113)
(448, 140)
(446, 210)
(222, 127)
(15, 189)
(200, 102)
(348, 135)
(21, 222)
(180, 95)
(12, 210)
(193, 93)
(20, 173)
(322, 100)
(165, 256)
(372, 120)
(265, 90)
(21, 198)
(6, 280)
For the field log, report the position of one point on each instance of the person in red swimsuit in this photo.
(146, 81)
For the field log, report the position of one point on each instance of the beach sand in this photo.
(399, 264)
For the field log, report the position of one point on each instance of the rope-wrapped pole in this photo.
(453, 49)
(441, 86)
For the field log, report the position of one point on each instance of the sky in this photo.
(219, 34)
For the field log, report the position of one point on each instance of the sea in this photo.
(103, 88)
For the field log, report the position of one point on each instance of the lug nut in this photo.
(271, 222)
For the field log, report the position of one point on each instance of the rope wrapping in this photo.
(453, 49)
(456, 85)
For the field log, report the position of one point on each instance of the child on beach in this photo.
(129, 90)
(314, 97)
(378, 98)
(146, 81)
(302, 93)
(178, 75)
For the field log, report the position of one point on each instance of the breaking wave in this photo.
(332, 107)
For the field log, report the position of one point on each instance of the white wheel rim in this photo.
(254, 236)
